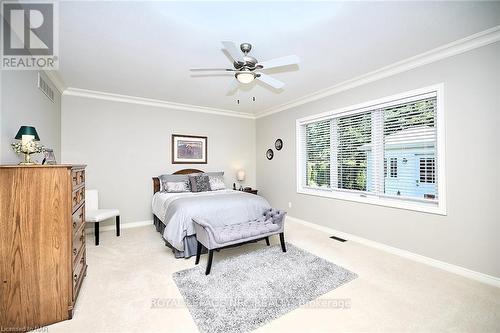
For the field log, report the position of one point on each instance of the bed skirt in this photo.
(190, 242)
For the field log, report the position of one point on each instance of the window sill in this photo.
(438, 209)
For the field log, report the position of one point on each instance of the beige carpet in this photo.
(130, 274)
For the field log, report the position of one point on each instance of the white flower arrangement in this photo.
(31, 147)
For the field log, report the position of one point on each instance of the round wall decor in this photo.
(269, 154)
(278, 144)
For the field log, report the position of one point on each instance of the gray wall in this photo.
(24, 104)
(469, 235)
(124, 145)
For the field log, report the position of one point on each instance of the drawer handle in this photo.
(74, 252)
(75, 277)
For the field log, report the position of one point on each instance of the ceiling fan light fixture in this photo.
(245, 65)
(245, 77)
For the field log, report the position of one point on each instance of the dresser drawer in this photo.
(78, 244)
(78, 219)
(78, 272)
(78, 196)
(77, 177)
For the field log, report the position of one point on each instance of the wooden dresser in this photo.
(42, 244)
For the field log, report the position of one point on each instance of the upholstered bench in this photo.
(216, 237)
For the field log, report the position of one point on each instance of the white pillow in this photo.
(176, 187)
(217, 183)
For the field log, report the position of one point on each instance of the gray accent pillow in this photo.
(199, 182)
(164, 179)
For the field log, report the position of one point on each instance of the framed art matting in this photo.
(189, 149)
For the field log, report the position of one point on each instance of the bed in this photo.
(173, 212)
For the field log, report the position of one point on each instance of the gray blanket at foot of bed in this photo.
(190, 242)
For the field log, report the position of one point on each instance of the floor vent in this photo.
(45, 87)
(338, 239)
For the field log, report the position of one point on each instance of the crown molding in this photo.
(469, 43)
(153, 102)
(56, 80)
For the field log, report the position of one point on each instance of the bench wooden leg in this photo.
(209, 263)
(198, 253)
(118, 226)
(96, 233)
(267, 241)
(282, 241)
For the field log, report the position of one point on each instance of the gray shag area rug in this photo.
(246, 291)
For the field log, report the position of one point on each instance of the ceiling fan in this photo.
(245, 66)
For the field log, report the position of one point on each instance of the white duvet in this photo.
(223, 207)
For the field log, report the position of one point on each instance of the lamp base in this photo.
(27, 160)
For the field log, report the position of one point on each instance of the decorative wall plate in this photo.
(269, 154)
(278, 144)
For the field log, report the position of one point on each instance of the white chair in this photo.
(96, 215)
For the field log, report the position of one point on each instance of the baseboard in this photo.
(465, 272)
(90, 227)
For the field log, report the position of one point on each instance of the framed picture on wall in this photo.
(189, 149)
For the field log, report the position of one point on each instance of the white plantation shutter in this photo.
(353, 132)
(377, 163)
(387, 151)
(317, 163)
(409, 136)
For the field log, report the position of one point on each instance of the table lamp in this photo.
(28, 136)
(240, 176)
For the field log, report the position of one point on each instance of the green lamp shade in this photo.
(27, 130)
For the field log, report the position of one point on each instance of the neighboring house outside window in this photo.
(427, 170)
(394, 167)
(385, 153)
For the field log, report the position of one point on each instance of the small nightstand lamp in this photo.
(240, 176)
(28, 136)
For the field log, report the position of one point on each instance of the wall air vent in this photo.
(45, 87)
(338, 239)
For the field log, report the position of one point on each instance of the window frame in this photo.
(414, 204)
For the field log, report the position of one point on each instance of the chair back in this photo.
(91, 199)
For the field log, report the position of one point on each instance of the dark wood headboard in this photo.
(156, 180)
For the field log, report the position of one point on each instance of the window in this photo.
(353, 132)
(385, 152)
(427, 170)
(394, 167)
(318, 154)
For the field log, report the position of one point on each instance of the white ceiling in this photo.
(145, 49)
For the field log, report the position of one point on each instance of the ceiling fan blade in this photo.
(211, 69)
(276, 84)
(233, 51)
(278, 62)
